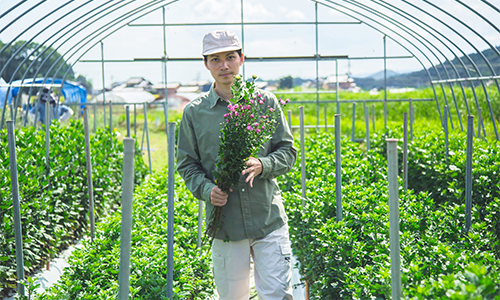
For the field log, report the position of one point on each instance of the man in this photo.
(254, 220)
(58, 111)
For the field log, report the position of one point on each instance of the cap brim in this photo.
(219, 50)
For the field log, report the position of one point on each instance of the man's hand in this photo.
(218, 197)
(254, 168)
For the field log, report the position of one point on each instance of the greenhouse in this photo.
(390, 190)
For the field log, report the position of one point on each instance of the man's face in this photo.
(223, 66)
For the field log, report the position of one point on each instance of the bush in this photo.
(54, 202)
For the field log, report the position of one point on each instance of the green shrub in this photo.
(93, 270)
(54, 202)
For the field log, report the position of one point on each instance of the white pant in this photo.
(272, 261)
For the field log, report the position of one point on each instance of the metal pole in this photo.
(412, 119)
(392, 161)
(468, 173)
(385, 83)
(337, 85)
(479, 122)
(95, 116)
(338, 169)
(111, 118)
(103, 84)
(367, 123)
(405, 151)
(147, 136)
(317, 68)
(126, 230)
(47, 137)
(326, 120)
(89, 173)
(170, 228)
(135, 121)
(290, 120)
(445, 127)
(127, 112)
(373, 117)
(15, 206)
(200, 223)
(302, 157)
(353, 119)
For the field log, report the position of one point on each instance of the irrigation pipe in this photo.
(15, 206)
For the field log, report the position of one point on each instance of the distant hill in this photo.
(421, 79)
(380, 75)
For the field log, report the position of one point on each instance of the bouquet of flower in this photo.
(249, 123)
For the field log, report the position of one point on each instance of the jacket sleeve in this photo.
(283, 155)
(189, 162)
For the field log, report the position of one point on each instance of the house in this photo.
(345, 82)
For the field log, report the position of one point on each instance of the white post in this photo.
(126, 231)
(392, 161)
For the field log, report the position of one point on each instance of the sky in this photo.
(365, 40)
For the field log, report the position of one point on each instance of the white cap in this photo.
(220, 41)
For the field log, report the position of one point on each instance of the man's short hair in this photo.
(205, 57)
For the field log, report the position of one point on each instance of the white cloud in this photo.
(295, 15)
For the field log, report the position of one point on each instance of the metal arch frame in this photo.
(478, 52)
(73, 28)
(419, 38)
(34, 50)
(405, 15)
(471, 61)
(466, 70)
(416, 57)
(432, 83)
(53, 51)
(62, 55)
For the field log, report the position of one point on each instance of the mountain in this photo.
(380, 75)
(421, 78)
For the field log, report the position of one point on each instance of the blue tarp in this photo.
(73, 92)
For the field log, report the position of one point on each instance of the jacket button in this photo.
(243, 190)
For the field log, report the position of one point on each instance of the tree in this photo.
(35, 54)
(286, 82)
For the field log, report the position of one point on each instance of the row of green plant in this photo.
(54, 201)
(350, 259)
(93, 270)
(429, 170)
(423, 111)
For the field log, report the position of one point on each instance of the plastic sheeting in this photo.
(73, 92)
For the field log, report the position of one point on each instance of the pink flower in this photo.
(251, 116)
(227, 120)
(230, 107)
(256, 125)
(257, 130)
(236, 113)
(262, 127)
(251, 101)
(271, 109)
(259, 95)
(287, 100)
(235, 106)
(261, 102)
(283, 102)
(249, 128)
(225, 115)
